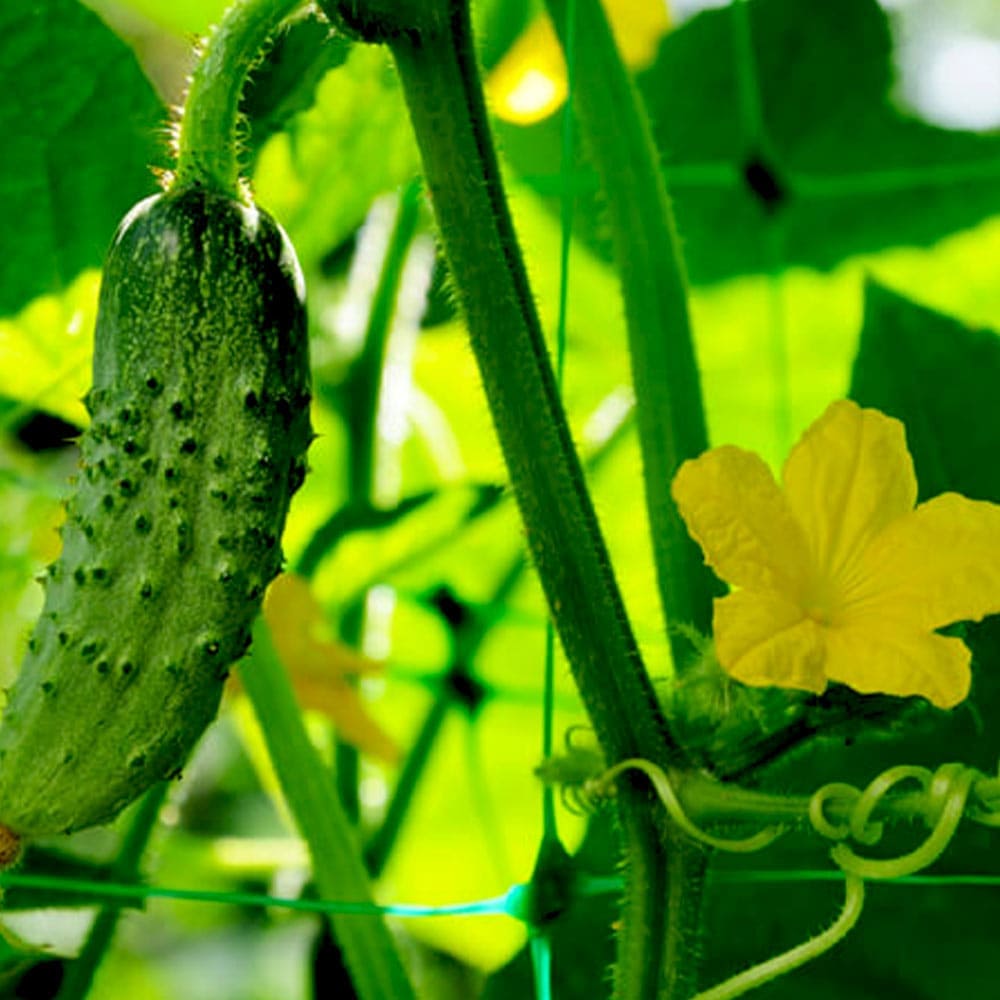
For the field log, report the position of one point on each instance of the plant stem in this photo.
(208, 143)
(432, 46)
(441, 83)
(706, 800)
(371, 958)
(669, 410)
(80, 973)
(365, 384)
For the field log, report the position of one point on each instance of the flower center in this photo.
(818, 614)
(821, 602)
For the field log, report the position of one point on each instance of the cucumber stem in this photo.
(435, 57)
(208, 140)
(436, 62)
(670, 414)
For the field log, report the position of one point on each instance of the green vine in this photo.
(669, 410)
(208, 132)
(837, 812)
(432, 46)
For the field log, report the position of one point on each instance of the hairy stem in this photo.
(433, 50)
(208, 142)
(441, 82)
(669, 410)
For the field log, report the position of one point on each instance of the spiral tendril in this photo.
(943, 798)
(672, 803)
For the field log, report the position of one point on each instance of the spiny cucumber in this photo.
(199, 427)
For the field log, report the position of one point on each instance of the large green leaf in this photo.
(82, 128)
(837, 168)
(939, 376)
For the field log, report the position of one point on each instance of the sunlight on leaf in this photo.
(321, 176)
(45, 350)
(185, 18)
(529, 83)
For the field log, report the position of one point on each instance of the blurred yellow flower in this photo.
(837, 575)
(320, 669)
(529, 82)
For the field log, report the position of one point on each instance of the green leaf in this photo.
(81, 128)
(939, 376)
(45, 350)
(838, 169)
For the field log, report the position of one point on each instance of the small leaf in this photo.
(285, 82)
(82, 127)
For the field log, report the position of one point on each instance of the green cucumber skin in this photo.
(197, 442)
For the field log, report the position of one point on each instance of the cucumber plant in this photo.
(199, 428)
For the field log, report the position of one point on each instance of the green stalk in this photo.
(669, 410)
(436, 63)
(79, 977)
(208, 142)
(366, 377)
(363, 398)
(670, 413)
(368, 950)
(432, 46)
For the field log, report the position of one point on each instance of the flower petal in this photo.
(937, 565)
(301, 634)
(895, 659)
(847, 478)
(343, 705)
(734, 510)
(763, 638)
(318, 666)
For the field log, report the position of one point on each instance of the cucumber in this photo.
(199, 428)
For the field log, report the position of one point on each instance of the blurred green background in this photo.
(835, 169)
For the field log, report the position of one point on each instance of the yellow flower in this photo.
(320, 668)
(529, 83)
(837, 575)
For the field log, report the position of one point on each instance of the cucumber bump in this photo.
(199, 428)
